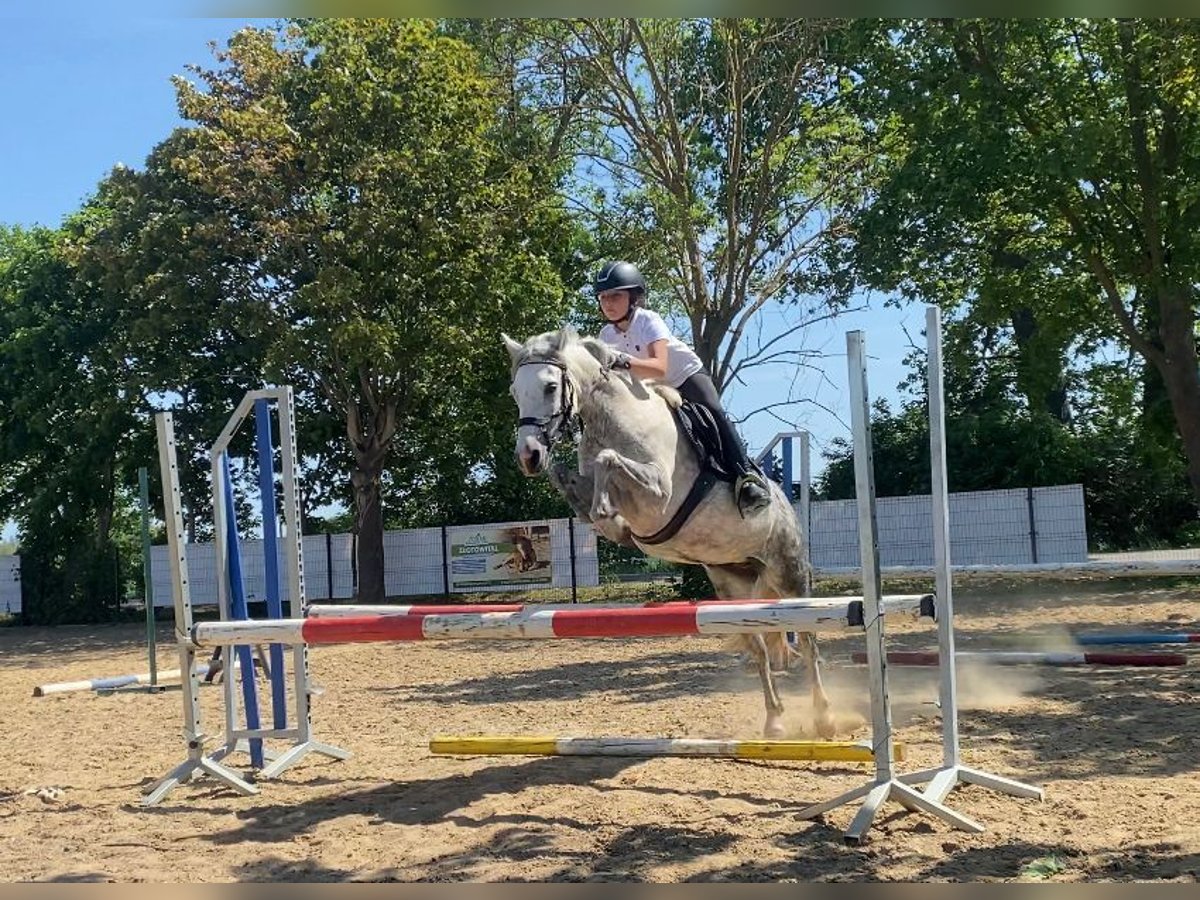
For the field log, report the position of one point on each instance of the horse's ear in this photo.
(514, 349)
(566, 336)
(598, 349)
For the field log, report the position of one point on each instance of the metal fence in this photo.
(560, 559)
(10, 585)
(1016, 527)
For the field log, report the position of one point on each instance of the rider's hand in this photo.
(620, 360)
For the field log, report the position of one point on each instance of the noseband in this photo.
(551, 426)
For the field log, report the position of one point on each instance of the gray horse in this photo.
(636, 472)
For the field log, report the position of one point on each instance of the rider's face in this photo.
(614, 304)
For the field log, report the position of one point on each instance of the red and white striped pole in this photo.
(533, 623)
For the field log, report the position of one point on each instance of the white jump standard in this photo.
(952, 772)
(193, 732)
(298, 732)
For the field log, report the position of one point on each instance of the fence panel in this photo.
(1009, 527)
(10, 585)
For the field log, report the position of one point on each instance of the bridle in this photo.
(551, 426)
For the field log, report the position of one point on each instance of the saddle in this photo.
(698, 425)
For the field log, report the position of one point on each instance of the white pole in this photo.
(805, 496)
(541, 624)
(940, 513)
(868, 549)
(297, 599)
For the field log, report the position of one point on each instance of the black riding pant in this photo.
(699, 388)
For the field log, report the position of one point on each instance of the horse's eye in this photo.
(551, 388)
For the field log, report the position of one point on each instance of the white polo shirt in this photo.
(645, 327)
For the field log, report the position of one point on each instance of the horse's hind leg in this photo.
(741, 582)
(790, 575)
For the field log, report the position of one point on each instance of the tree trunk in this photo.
(1047, 391)
(1180, 369)
(1158, 415)
(369, 527)
(105, 504)
(370, 440)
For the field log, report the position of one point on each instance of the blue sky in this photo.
(83, 91)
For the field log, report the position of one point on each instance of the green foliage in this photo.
(349, 215)
(1044, 172)
(64, 412)
(1135, 491)
(712, 152)
(695, 584)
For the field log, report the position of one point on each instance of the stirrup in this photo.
(743, 481)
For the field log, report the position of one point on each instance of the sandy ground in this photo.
(1115, 750)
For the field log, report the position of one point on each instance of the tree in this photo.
(1135, 494)
(1045, 170)
(713, 152)
(64, 420)
(170, 270)
(382, 235)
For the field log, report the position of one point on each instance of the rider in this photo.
(644, 345)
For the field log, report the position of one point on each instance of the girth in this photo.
(700, 488)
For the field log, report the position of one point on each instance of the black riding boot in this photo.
(750, 490)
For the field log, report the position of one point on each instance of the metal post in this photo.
(571, 544)
(329, 565)
(944, 778)
(1033, 551)
(886, 786)
(147, 575)
(445, 563)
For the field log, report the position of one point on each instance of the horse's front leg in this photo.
(626, 476)
(578, 489)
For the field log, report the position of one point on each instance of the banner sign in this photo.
(506, 557)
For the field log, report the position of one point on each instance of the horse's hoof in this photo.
(774, 731)
(826, 729)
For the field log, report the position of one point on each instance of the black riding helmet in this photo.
(621, 276)
(618, 276)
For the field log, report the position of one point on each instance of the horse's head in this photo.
(545, 370)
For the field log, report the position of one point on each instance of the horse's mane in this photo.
(559, 345)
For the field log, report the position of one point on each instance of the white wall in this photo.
(412, 565)
(986, 527)
(10, 584)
